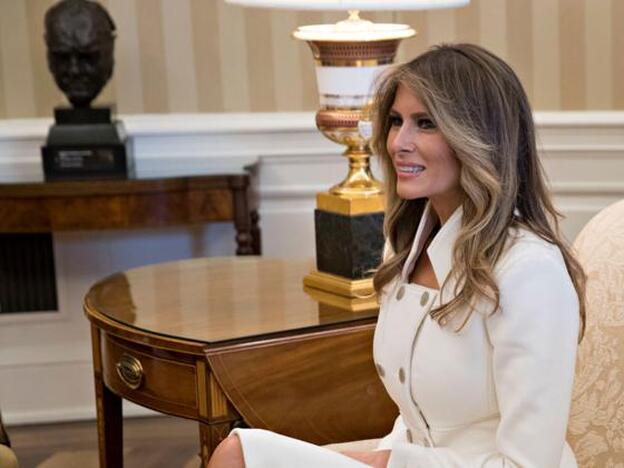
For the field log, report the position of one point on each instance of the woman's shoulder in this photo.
(526, 250)
(536, 289)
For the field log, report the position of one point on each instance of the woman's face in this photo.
(425, 165)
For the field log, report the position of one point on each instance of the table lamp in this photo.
(349, 55)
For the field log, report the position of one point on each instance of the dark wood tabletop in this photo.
(216, 300)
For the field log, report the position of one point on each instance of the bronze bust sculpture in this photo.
(80, 36)
(85, 141)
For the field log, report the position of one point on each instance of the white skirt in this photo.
(266, 449)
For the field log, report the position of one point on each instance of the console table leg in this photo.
(109, 418)
(210, 435)
(255, 233)
(242, 216)
(244, 243)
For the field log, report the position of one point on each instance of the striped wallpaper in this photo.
(206, 56)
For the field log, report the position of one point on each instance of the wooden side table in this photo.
(232, 341)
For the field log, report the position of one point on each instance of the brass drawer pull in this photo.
(130, 371)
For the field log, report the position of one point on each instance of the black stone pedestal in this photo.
(348, 246)
(84, 143)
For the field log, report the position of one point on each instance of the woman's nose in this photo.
(402, 140)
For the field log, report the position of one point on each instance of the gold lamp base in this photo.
(353, 295)
(361, 289)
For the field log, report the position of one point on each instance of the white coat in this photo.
(497, 393)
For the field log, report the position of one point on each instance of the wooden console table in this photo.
(232, 341)
(141, 202)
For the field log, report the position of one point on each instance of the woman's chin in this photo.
(407, 194)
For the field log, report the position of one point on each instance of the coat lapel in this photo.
(440, 251)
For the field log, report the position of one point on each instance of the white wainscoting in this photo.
(45, 361)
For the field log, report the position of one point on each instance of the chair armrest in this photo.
(7, 458)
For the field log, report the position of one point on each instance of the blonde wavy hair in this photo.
(482, 111)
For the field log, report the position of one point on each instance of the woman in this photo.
(482, 302)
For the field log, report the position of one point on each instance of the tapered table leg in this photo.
(109, 418)
(210, 435)
(216, 421)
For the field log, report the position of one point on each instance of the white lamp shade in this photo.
(344, 5)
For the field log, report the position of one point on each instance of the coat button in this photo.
(400, 293)
(410, 439)
(401, 375)
(380, 370)
(424, 298)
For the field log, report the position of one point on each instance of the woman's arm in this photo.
(376, 459)
(534, 338)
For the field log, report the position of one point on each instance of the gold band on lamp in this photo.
(350, 206)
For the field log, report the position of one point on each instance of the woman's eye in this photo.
(425, 123)
(395, 121)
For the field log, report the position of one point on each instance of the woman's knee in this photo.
(229, 453)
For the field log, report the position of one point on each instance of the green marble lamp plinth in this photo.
(349, 243)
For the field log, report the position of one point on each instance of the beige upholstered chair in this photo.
(7, 457)
(596, 428)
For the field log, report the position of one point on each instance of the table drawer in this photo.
(140, 375)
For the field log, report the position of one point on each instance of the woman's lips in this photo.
(409, 170)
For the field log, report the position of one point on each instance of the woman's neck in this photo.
(444, 207)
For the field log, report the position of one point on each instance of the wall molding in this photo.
(575, 119)
(237, 139)
(582, 152)
(588, 188)
(274, 122)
